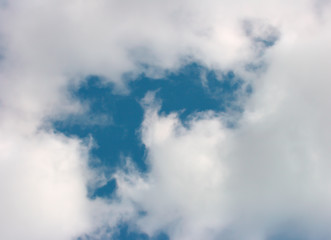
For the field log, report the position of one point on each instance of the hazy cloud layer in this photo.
(206, 181)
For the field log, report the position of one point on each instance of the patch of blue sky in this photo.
(124, 232)
(115, 138)
(192, 89)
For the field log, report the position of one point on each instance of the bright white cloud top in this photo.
(205, 180)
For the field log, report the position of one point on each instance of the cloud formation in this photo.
(206, 181)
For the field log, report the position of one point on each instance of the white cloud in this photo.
(43, 191)
(206, 181)
(275, 164)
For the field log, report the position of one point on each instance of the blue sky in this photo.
(178, 119)
(119, 135)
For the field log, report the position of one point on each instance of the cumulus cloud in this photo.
(42, 187)
(206, 181)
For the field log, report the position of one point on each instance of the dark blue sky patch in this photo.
(185, 92)
(117, 139)
(114, 120)
(125, 233)
(192, 89)
(105, 191)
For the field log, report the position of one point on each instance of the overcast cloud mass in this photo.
(259, 173)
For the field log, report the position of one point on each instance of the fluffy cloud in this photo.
(205, 181)
(42, 187)
(208, 181)
(256, 180)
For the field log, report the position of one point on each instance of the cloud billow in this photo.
(205, 180)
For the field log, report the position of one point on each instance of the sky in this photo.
(165, 120)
